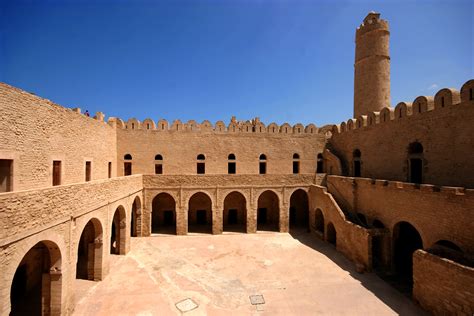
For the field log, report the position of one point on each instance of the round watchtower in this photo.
(372, 66)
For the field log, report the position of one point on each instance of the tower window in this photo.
(158, 164)
(262, 164)
(319, 163)
(442, 102)
(296, 163)
(231, 164)
(6, 175)
(56, 172)
(201, 165)
(127, 165)
(110, 169)
(88, 170)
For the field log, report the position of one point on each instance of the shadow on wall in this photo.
(369, 280)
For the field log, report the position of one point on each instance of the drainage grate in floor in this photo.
(257, 299)
(186, 305)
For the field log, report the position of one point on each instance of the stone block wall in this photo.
(36, 131)
(442, 286)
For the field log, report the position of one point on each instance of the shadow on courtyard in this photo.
(371, 281)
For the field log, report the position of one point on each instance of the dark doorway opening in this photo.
(416, 170)
(163, 214)
(201, 217)
(232, 217)
(127, 168)
(262, 216)
(406, 241)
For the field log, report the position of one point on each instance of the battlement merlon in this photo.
(372, 22)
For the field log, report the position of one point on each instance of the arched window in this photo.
(231, 164)
(201, 165)
(127, 165)
(296, 163)
(319, 163)
(262, 166)
(415, 162)
(356, 163)
(158, 164)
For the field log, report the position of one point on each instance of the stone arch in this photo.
(118, 233)
(299, 209)
(136, 218)
(89, 257)
(36, 287)
(319, 221)
(268, 211)
(320, 163)
(449, 250)
(200, 213)
(235, 212)
(163, 214)
(406, 239)
(331, 234)
(148, 124)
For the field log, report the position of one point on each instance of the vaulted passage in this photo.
(89, 257)
(36, 286)
(163, 214)
(406, 240)
(200, 214)
(319, 221)
(268, 212)
(235, 212)
(299, 210)
(136, 220)
(331, 234)
(118, 233)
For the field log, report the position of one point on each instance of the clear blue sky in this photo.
(284, 61)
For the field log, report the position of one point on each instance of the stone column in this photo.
(181, 221)
(217, 222)
(284, 217)
(252, 219)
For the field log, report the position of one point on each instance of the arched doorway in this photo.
(319, 221)
(36, 286)
(406, 240)
(331, 234)
(118, 236)
(268, 212)
(136, 220)
(200, 213)
(299, 210)
(163, 215)
(89, 257)
(235, 212)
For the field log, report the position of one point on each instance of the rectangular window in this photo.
(231, 168)
(56, 172)
(357, 172)
(6, 175)
(201, 168)
(88, 170)
(296, 167)
(263, 168)
(127, 169)
(158, 168)
(110, 169)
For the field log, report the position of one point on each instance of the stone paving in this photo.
(296, 274)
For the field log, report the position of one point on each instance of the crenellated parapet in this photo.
(444, 98)
(254, 126)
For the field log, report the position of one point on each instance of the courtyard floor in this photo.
(297, 274)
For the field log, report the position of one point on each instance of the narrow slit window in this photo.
(88, 170)
(56, 172)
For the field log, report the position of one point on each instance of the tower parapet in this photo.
(372, 66)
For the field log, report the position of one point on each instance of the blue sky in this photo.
(283, 61)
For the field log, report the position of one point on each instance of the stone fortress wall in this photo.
(36, 131)
(441, 124)
(70, 230)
